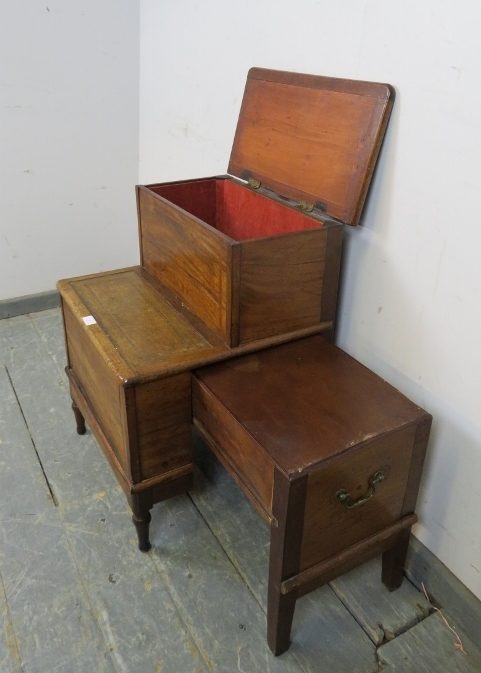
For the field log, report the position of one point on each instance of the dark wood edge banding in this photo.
(332, 268)
(235, 279)
(377, 90)
(288, 507)
(129, 419)
(416, 467)
(139, 225)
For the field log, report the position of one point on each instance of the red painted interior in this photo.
(197, 197)
(243, 214)
(236, 211)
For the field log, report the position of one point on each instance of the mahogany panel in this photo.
(311, 138)
(291, 395)
(141, 325)
(99, 383)
(165, 450)
(247, 458)
(329, 526)
(163, 403)
(281, 284)
(164, 424)
(189, 257)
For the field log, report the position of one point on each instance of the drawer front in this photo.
(247, 461)
(329, 525)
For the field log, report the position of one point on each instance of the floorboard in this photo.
(49, 617)
(381, 613)
(430, 647)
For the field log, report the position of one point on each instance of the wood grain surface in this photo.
(103, 388)
(188, 256)
(281, 283)
(308, 401)
(329, 526)
(254, 268)
(245, 456)
(312, 138)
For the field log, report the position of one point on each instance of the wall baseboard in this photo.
(29, 304)
(448, 593)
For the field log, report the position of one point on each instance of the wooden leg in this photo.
(280, 612)
(286, 539)
(142, 526)
(141, 518)
(79, 419)
(393, 562)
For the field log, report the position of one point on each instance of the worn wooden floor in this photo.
(77, 596)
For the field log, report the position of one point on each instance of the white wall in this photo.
(68, 140)
(410, 302)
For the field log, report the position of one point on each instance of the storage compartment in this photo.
(247, 265)
(119, 360)
(256, 263)
(234, 210)
(328, 452)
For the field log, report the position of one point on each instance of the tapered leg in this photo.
(79, 419)
(280, 612)
(286, 538)
(141, 519)
(141, 524)
(393, 562)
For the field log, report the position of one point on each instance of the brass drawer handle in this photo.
(345, 498)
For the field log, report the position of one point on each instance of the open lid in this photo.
(311, 138)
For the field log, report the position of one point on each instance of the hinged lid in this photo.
(311, 138)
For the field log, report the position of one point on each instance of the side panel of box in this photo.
(245, 459)
(99, 384)
(163, 420)
(187, 257)
(329, 525)
(281, 283)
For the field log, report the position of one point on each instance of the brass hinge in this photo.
(253, 183)
(306, 206)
